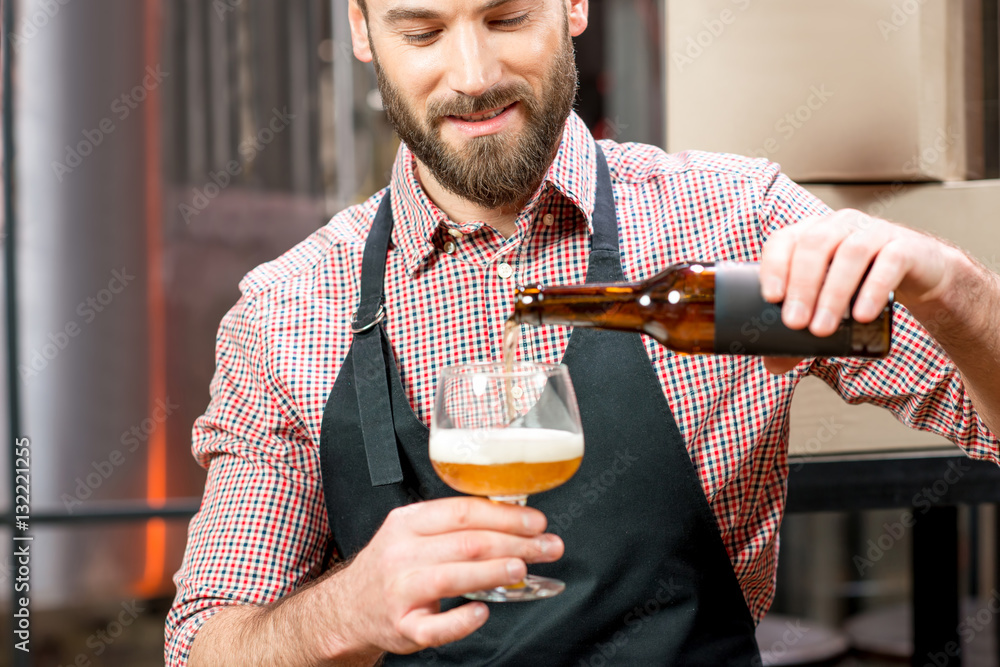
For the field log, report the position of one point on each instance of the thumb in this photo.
(780, 365)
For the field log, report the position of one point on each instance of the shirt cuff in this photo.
(178, 647)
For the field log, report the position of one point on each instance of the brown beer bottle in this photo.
(700, 308)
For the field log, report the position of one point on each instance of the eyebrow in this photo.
(399, 15)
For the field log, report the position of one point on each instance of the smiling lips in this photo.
(485, 123)
(478, 118)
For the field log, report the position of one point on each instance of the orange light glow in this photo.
(156, 463)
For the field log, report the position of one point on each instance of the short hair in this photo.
(364, 8)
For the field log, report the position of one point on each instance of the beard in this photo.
(492, 171)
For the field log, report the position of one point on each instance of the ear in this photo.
(578, 11)
(359, 32)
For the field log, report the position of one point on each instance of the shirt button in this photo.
(505, 270)
(549, 219)
(456, 234)
(450, 248)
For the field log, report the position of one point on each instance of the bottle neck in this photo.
(609, 306)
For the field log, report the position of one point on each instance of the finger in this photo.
(425, 628)
(887, 272)
(808, 269)
(852, 258)
(477, 545)
(780, 365)
(449, 580)
(776, 260)
(448, 514)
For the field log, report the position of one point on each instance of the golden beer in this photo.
(505, 462)
(506, 479)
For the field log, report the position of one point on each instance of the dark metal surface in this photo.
(922, 483)
(931, 486)
(935, 590)
(178, 508)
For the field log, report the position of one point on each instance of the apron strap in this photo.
(371, 347)
(605, 220)
(604, 265)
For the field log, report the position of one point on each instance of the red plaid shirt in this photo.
(262, 530)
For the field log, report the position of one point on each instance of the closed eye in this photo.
(424, 37)
(511, 23)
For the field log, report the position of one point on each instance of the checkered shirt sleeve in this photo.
(261, 531)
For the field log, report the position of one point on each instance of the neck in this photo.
(460, 210)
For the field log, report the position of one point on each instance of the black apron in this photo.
(648, 579)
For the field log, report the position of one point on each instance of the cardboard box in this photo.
(833, 90)
(965, 214)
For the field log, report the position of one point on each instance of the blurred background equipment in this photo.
(163, 149)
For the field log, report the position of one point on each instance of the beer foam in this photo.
(508, 445)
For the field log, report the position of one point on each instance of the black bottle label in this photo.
(746, 324)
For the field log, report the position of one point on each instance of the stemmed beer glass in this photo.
(505, 434)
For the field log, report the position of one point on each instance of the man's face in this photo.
(479, 90)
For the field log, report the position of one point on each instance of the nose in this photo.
(475, 67)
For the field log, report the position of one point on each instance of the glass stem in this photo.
(521, 500)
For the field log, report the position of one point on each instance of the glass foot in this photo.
(531, 588)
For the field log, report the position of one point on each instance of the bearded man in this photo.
(309, 548)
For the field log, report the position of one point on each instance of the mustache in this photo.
(494, 98)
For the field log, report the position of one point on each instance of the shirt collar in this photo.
(572, 173)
